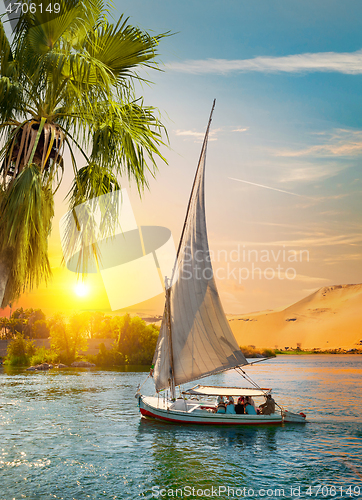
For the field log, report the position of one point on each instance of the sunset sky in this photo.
(287, 77)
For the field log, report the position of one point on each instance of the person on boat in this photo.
(240, 406)
(221, 406)
(268, 407)
(230, 406)
(249, 407)
(250, 400)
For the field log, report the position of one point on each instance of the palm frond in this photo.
(88, 207)
(122, 47)
(26, 211)
(128, 135)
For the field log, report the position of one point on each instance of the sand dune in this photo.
(328, 318)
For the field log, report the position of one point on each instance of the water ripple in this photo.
(79, 435)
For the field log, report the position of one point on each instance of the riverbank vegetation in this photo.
(134, 344)
(134, 341)
(289, 351)
(123, 340)
(251, 351)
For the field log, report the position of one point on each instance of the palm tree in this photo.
(67, 81)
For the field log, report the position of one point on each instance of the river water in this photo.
(77, 434)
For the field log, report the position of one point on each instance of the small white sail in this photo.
(200, 342)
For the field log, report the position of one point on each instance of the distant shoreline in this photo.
(329, 351)
(253, 352)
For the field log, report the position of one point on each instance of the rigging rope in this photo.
(250, 380)
(139, 387)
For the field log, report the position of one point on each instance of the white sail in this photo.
(195, 339)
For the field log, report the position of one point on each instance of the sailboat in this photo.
(195, 339)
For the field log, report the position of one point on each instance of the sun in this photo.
(81, 289)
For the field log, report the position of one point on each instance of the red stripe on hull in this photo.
(147, 413)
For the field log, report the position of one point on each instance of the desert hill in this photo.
(329, 318)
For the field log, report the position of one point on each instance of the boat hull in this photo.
(294, 418)
(152, 407)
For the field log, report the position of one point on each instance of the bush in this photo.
(251, 351)
(136, 341)
(269, 353)
(43, 355)
(108, 357)
(135, 344)
(19, 351)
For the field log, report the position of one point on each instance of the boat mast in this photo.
(168, 319)
(168, 288)
(193, 186)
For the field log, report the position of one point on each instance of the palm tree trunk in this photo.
(4, 276)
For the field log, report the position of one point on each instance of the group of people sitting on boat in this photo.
(245, 405)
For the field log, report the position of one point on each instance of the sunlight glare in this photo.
(81, 289)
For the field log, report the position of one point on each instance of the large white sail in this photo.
(195, 338)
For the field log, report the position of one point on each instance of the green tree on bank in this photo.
(67, 83)
(68, 338)
(31, 323)
(136, 340)
(20, 351)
